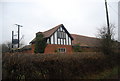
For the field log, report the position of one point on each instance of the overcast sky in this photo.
(81, 17)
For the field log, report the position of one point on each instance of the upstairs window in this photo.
(61, 34)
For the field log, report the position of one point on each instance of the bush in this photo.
(40, 43)
(54, 66)
(77, 48)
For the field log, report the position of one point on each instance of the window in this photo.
(62, 50)
(61, 34)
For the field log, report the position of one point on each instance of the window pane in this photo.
(62, 50)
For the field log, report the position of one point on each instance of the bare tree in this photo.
(4, 48)
(107, 42)
(7, 46)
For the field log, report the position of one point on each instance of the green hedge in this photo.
(55, 66)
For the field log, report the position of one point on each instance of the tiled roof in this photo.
(49, 32)
(78, 39)
(85, 41)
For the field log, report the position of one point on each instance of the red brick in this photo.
(50, 48)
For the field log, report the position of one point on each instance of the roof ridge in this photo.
(52, 28)
(90, 41)
(85, 36)
(48, 33)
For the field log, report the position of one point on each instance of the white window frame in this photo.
(62, 50)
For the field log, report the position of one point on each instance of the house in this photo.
(58, 39)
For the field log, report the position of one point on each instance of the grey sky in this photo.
(78, 16)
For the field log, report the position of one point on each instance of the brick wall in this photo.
(33, 48)
(51, 48)
(89, 49)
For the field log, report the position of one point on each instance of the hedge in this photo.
(55, 66)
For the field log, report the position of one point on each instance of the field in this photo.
(86, 65)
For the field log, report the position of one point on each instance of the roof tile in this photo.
(85, 41)
(48, 33)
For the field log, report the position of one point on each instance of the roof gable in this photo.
(49, 32)
(67, 32)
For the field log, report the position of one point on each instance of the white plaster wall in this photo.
(58, 41)
(47, 41)
(66, 39)
(52, 39)
(55, 37)
(69, 41)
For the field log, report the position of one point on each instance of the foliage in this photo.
(4, 48)
(107, 39)
(55, 66)
(111, 73)
(77, 48)
(40, 43)
(7, 46)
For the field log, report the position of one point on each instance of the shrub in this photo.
(54, 66)
(77, 48)
(40, 43)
